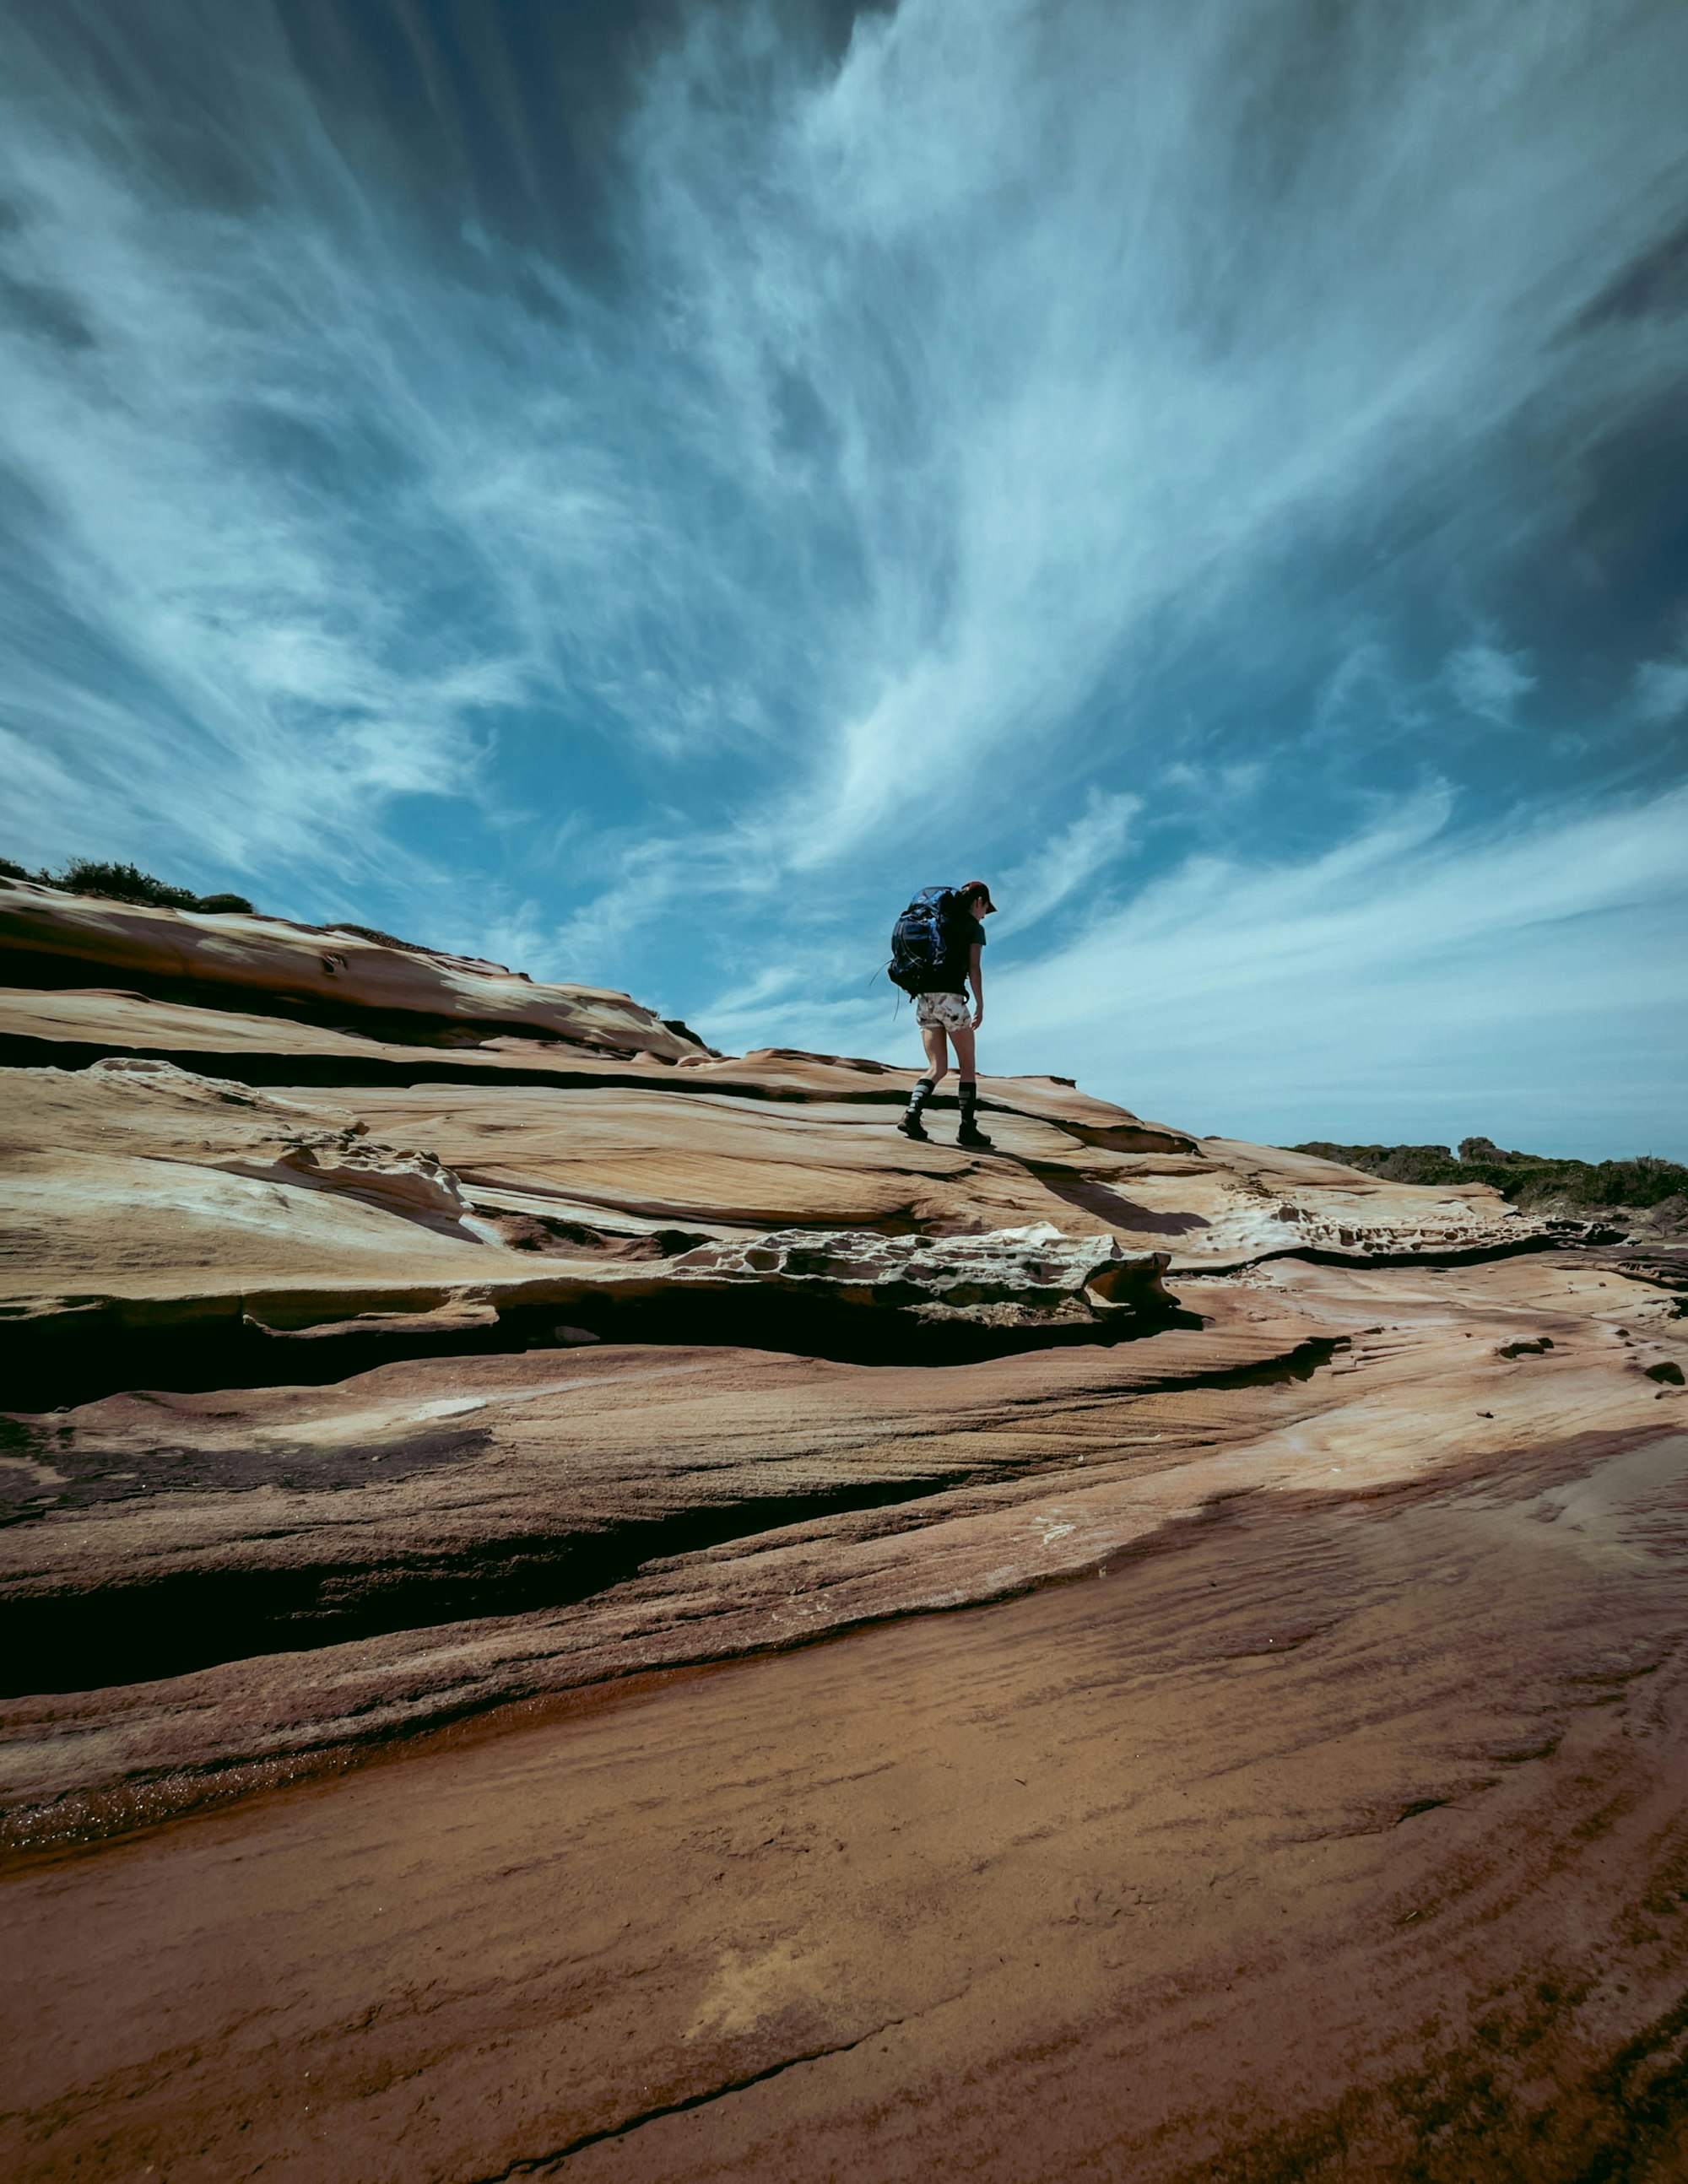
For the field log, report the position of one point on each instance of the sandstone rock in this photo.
(137, 1178)
(341, 971)
(165, 1223)
(1035, 1267)
(1350, 1823)
(756, 1147)
(495, 1389)
(455, 1533)
(153, 1213)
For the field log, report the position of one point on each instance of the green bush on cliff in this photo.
(112, 882)
(1524, 1179)
(121, 884)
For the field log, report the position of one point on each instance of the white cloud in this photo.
(592, 943)
(1409, 972)
(222, 656)
(1661, 691)
(1097, 316)
(1070, 862)
(1487, 681)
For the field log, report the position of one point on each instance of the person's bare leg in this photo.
(967, 1087)
(938, 1053)
(937, 1068)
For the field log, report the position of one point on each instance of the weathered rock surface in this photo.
(205, 1538)
(355, 1388)
(156, 1220)
(1034, 1269)
(289, 963)
(1342, 1837)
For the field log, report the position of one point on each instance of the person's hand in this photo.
(979, 1016)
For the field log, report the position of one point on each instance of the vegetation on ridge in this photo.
(1525, 1178)
(115, 883)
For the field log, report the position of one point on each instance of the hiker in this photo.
(936, 957)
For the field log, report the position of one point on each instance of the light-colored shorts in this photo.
(947, 1011)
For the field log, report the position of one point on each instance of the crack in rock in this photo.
(539, 2165)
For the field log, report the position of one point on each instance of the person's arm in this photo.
(976, 978)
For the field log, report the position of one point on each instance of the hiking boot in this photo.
(974, 1138)
(912, 1126)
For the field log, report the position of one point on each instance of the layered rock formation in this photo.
(357, 1386)
(331, 974)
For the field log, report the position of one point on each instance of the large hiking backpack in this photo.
(918, 939)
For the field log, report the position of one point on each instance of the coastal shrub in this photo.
(1524, 1179)
(122, 883)
(1645, 1181)
(1395, 1164)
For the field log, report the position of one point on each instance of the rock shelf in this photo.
(506, 1390)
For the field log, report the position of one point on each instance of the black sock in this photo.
(969, 1091)
(923, 1089)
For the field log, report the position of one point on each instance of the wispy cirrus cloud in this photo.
(940, 376)
(1069, 865)
(1487, 680)
(1661, 689)
(1411, 980)
(1400, 982)
(204, 618)
(1067, 443)
(1090, 321)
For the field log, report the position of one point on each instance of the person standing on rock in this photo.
(936, 953)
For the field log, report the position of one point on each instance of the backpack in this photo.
(918, 939)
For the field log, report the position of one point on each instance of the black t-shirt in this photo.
(961, 929)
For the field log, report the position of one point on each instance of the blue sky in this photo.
(636, 491)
